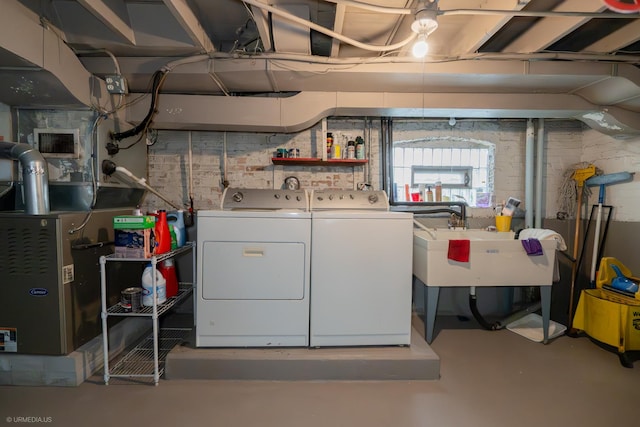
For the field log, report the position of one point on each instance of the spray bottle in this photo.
(429, 197)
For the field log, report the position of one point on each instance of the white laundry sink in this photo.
(495, 259)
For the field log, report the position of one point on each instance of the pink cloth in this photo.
(459, 250)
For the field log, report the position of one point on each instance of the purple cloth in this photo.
(532, 247)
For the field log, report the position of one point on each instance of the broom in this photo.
(579, 176)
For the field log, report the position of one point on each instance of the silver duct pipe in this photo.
(35, 175)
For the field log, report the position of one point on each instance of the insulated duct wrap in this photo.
(35, 175)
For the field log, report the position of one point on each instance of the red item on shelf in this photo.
(168, 270)
(162, 233)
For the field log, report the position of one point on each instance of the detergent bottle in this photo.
(168, 270)
(176, 221)
(162, 233)
(147, 287)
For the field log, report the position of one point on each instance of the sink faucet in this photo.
(456, 221)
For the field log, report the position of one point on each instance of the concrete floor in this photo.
(488, 379)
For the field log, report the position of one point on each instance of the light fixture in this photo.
(420, 47)
(424, 24)
(452, 121)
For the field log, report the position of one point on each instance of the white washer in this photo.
(254, 270)
(361, 270)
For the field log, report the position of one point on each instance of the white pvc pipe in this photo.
(143, 182)
(528, 175)
(532, 13)
(540, 143)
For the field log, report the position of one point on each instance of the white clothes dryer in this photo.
(254, 270)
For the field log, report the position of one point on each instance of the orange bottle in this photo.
(162, 233)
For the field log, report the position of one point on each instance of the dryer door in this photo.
(253, 270)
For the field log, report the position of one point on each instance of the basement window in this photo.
(464, 167)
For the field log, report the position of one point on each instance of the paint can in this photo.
(131, 299)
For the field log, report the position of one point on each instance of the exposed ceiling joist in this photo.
(113, 14)
(338, 27)
(261, 18)
(188, 20)
(547, 31)
(617, 40)
(480, 28)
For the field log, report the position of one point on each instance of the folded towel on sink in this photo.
(532, 247)
(459, 250)
(543, 234)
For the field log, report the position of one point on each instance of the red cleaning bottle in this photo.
(163, 235)
(168, 270)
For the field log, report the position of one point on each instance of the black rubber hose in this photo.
(144, 124)
(476, 314)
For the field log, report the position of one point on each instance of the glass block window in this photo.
(463, 166)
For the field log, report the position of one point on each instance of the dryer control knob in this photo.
(287, 197)
(373, 199)
(277, 196)
(237, 197)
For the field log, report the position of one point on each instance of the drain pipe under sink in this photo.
(499, 324)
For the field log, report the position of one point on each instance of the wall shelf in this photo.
(314, 161)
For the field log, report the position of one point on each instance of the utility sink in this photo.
(495, 259)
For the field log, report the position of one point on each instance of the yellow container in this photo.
(503, 223)
(609, 319)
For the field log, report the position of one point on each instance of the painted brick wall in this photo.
(248, 160)
(612, 156)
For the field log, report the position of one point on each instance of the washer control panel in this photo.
(264, 199)
(349, 199)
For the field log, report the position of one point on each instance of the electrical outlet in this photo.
(116, 84)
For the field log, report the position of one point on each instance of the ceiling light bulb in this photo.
(420, 47)
(452, 121)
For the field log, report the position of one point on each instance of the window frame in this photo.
(467, 180)
(481, 170)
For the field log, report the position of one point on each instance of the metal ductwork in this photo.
(35, 175)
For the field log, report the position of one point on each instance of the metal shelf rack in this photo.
(147, 359)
